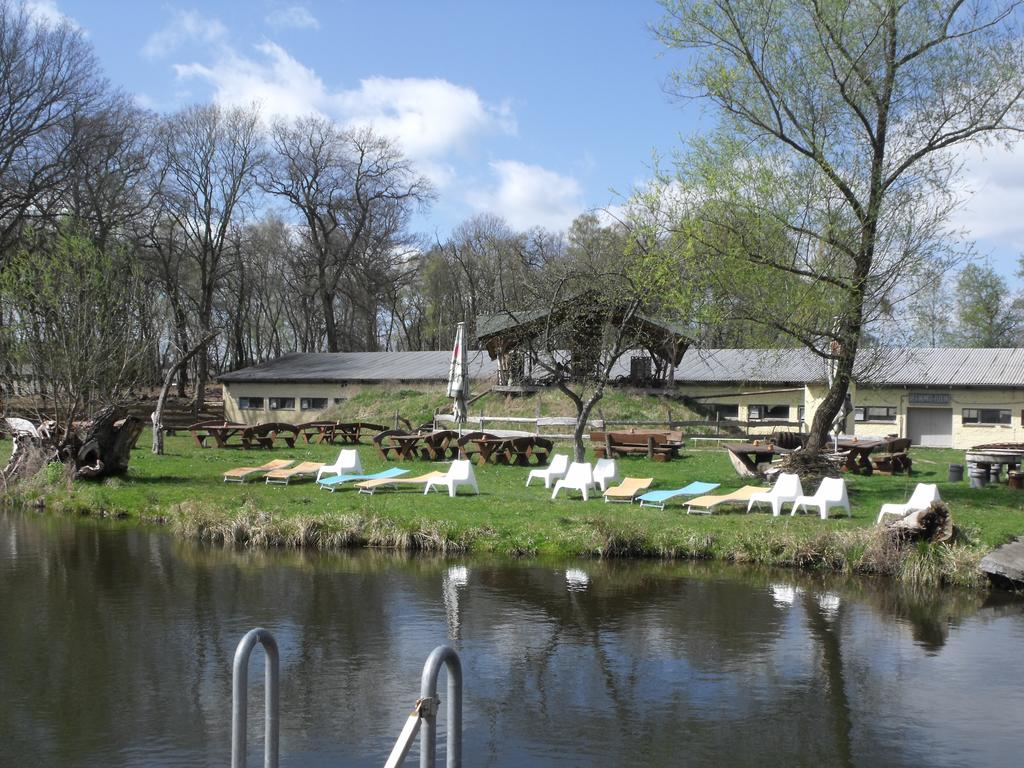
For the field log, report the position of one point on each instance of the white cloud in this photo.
(428, 116)
(992, 186)
(278, 83)
(46, 13)
(292, 17)
(530, 195)
(431, 118)
(185, 27)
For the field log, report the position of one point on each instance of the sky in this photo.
(534, 111)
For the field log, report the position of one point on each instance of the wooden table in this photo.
(219, 431)
(320, 431)
(858, 455)
(405, 445)
(746, 456)
(491, 446)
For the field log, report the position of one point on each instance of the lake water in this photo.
(116, 645)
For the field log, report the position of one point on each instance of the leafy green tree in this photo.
(839, 123)
(74, 327)
(987, 316)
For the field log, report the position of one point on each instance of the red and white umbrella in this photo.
(458, 377)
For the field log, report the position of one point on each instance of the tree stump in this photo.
(101, 448)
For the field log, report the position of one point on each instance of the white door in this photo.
(930, 427)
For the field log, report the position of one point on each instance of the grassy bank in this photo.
(184, 490)
(377, 404)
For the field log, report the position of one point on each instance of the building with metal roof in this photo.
(944, 397)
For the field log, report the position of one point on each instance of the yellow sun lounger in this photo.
(627, 490)
(241, 474)
(705, 505)
(282, 476)
(369, 486)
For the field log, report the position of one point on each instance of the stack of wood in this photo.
(811, 467)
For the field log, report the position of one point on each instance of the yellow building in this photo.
(944, 397)
(941, 397)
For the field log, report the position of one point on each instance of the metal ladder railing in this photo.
(240, 698)
(422, 719)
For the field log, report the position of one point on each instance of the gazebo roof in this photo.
(509, 330)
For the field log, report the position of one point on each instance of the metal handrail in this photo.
(423, 718)
(240, 698)
(428, 690)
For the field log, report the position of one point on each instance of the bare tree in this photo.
(208, 158)
(48, 76)
(342, 184)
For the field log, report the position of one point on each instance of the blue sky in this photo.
(535, 111)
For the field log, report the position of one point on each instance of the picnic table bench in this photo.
(220, 431)
(265, 435)
(518, 451)
(893, 458)
(397, 443)
(656, 445)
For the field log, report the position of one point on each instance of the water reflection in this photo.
(117, 643)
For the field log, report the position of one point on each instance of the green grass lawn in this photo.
(184, 488)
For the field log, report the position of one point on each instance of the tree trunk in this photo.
(330, 321)
(157, 416)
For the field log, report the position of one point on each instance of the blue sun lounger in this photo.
(658, 498)
(330, 483)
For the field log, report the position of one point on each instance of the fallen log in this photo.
(933, 524)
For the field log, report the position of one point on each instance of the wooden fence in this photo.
(561, 427)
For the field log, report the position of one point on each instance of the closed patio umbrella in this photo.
(458, 379)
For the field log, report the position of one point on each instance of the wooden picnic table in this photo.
(265, 435)
(221, 433)
(404, 446)
(318, 431)
(858, 453)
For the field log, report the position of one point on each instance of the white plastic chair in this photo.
(924, 495)
(786, 489)
(347, 464)
(831, 493)
(459, 473)
(605, 473)
(555, 470)
(580, 477)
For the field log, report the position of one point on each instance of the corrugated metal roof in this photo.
(894, 366)
(362, 366)
(765, 366)
(949, 367)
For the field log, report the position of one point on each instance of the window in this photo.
(724, 412)
(800, 414)
(875, 413)
(282, 403)
(250, 403)
(313, 403)
(986, 416)
(768, 412)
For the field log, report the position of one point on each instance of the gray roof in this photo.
(318, 367)
(893, 366)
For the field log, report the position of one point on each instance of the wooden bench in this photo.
(265, 435)
(659, 446)
(894, 459)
